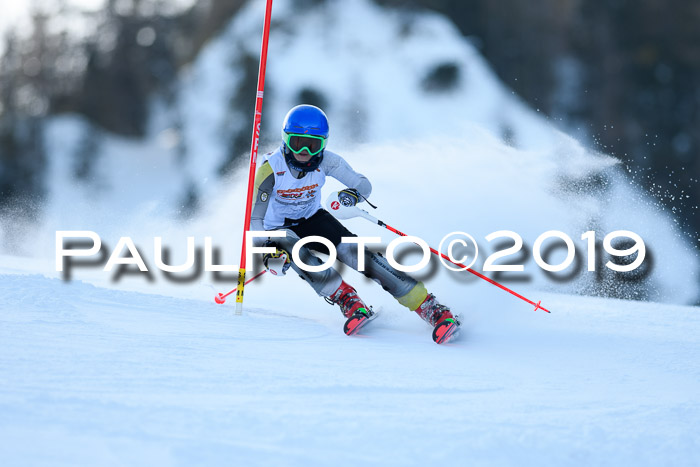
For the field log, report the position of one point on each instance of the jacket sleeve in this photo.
(264, 184)
(338, 168)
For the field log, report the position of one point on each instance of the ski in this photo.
(357, 321)
(446, 331)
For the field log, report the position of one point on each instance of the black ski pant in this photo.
(326, 282)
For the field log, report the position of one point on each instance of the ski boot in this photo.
(445, 324)
(353, 308)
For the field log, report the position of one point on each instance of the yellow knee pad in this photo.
(415, 297)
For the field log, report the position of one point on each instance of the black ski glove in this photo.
(349, 197)
(276, 263)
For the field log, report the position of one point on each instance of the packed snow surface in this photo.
(97, 372)
(93, 376)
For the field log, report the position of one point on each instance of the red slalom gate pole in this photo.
(221, 297)
(397, 232)
(253, 154)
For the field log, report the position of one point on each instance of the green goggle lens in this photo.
(313, 144)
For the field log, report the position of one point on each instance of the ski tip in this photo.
(357, 321)
(354, 324)
(446, 331)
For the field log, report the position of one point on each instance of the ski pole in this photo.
(253, 154)
(221, 298)
(487, 279)
(347, 212)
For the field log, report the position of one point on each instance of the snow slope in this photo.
(498, 164)
(92, 376)
(95, 373)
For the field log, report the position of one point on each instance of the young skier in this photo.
(288, 197)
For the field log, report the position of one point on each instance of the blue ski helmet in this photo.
(305, 128)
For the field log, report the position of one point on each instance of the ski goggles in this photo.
(313, 144)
